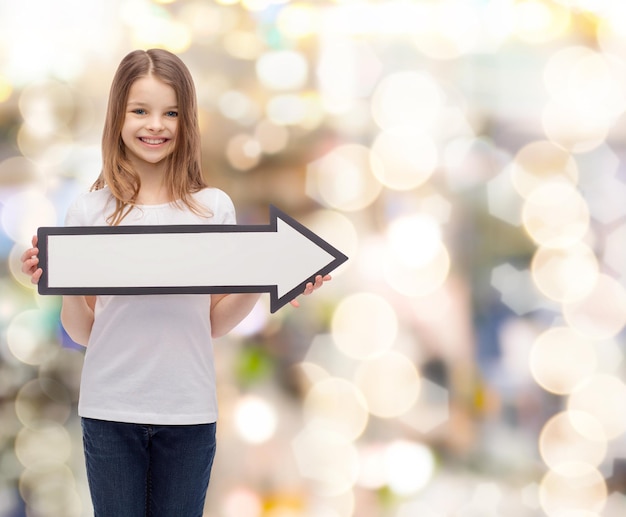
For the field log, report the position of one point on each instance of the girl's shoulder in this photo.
(217, 202)
(89, 208)
(211, 195)
(94, 197)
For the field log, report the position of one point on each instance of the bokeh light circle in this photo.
(556, 75)
(538, 21)
(160, 31)
(292, 109)
(17, 170)
(343, 178)
(561, 443)
(298, 20)
(6, 89)
(47, 106)
(573, 128)
(24, 212)
(41, 401)
(448, 29)
(540, 162)
(50, 490)
(587, 80)
(417, 280)
(238, 106)
(29, 339)
(415, 239)
(282, 70)
(243, 152)
(405, 158)
(601, 313)
(48, 151)
(242, 501)
(338, 405)
(390, 383)
(560, 358)
(565, 274)
(329, 459)
(255, 419)
(611, 32)
(406, 99)
(582, 490)
(272, 137)
(408, 466)
(364, 325)
(555, 215)
(603, 397)
(37, 449)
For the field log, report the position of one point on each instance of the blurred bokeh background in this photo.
(467, 361)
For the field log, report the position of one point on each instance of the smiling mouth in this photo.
(153, 141)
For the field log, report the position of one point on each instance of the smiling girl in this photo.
(148, 396)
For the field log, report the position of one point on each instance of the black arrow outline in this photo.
(276, 302)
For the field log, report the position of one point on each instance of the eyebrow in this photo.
(143, 104)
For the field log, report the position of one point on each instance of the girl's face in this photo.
(150, 124)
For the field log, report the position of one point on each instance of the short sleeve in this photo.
(75, 214)
(225, 209)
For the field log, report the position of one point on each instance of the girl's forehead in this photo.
(151, 88)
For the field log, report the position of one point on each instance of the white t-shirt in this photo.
(149, 358)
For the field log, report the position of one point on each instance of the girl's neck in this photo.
(152, 190)
(147, 196)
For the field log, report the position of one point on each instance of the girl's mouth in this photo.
(153, 141)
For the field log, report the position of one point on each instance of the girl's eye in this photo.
(172, 113)
(139, 111)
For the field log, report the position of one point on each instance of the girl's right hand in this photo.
(30, 262)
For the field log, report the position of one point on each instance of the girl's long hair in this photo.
(183, 174)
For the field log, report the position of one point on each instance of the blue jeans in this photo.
(139, 470)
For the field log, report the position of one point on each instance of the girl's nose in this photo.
(155, 124)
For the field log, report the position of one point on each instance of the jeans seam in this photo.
(149, 475)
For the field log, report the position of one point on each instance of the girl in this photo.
(148, 400)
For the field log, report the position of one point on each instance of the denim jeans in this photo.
(137, 470)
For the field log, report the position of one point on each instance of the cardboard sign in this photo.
(279, 258)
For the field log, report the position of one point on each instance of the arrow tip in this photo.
(277, 299)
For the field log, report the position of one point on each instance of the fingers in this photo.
(31, 252)
(29, 267)
(30, 261)
(312, 286)
(36, 276)
(319, 281)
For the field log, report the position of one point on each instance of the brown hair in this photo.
(183, 170)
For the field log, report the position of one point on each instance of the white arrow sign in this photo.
(279, 258)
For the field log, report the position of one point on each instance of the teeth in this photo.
(153, 141)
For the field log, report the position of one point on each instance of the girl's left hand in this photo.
(310, 287)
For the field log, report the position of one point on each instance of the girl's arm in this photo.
(228, 310)
(77, 311)
(77, 314)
